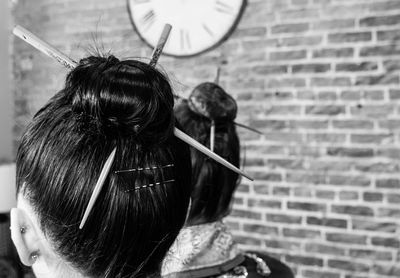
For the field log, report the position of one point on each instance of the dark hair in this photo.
(213, 184)
(107, 103)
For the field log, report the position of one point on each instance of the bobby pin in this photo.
(148, 185)
(142, 169)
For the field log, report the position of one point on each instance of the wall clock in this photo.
(197, 25)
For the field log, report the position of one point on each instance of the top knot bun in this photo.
(211, 101)
(122, 98)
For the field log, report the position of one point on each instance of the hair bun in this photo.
(123, 98)
(210, 100)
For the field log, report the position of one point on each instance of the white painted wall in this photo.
(7, 187)
(6, 99)
(7, 171)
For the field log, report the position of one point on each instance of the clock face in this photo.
(197, 25)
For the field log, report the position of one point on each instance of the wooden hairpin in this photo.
(52, 52)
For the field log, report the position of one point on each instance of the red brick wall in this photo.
(319, 77)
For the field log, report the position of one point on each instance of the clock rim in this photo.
(215, 45)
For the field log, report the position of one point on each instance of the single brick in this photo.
(286, 163)
(385, 6)
(350, 152)
(388, 212)
(324, 249)
(281, 191)
(243, 188)
(353, 210)
(374, 94)
(326, 138)
(392, 242)
(388, 183)
(346, 195)
(329, 222)
(376, 226)
(238, 201)
(378, 167)
(380, 20)
(282, 244)
(283, 218)
(302, 191)
(370, 254)
(288, 55)
(387, 270)
(372, 110)
(349, 180)
(304, 260)
(264, 203)
(306, 206)
(333, 24)
(319, 274)
(304, 68)
(325, 109)
(373, 197)
(394, 94)
(330, 81)
(309, 124)
(364, 66)
(393, 198)
(245, 214)
(246, 240)
(250, 32)
(346, 238)
(285, 82)
(290, 28)
(327, 95)
(333, 52)
(389, 35)
(268, 70)
(383, 50)
(353, 124)
(260, 229)
(372, 138)
(305, 178)
(350, 37)
(377, 80)
(325, 194)
(350, 95)
(301, 233)
(269, 124)
(348, 265)
(300, 13)
(266, 176)
(301, 41)
(262, 189)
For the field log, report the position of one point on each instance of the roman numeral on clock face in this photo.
(148, 19)
(184, 39)
(223, 7)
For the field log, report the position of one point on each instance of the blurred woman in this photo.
(205, 248)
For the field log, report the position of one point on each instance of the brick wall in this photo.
(319, 77)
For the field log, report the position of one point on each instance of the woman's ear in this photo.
(24, 236)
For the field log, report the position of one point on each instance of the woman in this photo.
(205, 248)
(106, 104)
